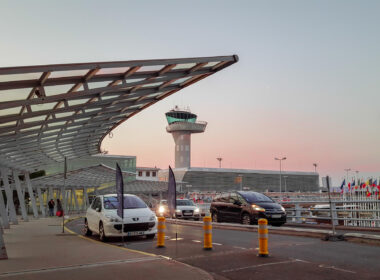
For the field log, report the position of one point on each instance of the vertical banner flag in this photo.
(120, 191)
(172, 192)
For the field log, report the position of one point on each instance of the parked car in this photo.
(102, 218)
(186, 209)
(246, 207)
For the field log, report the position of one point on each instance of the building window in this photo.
(153, 173)
(147, 174)
(140, 173)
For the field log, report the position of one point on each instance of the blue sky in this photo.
(306, 85)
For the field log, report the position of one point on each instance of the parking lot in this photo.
(234, 254)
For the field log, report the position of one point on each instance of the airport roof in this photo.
(87, 177)
(49, 112)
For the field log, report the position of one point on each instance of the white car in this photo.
(186, 209)
(102, 218)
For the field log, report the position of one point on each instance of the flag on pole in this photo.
(120, 191)
(342, 185)
(172, 192)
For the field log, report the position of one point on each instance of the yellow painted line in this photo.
(106, 244)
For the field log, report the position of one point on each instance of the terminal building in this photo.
(195, 179)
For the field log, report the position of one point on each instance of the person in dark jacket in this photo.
(51, 207)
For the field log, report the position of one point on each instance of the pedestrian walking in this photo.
(51, 207)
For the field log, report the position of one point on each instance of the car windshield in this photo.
(130, 202)
(252, 197)
(184, 202)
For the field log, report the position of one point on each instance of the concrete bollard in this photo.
(207, 227)
(263, 237)
(3, 251)
(161, 232)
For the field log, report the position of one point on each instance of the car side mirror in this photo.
(237, 202)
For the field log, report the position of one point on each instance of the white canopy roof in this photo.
(50, 112)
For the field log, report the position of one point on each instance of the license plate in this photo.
(134, 233)
(187, 214)
(276, 216)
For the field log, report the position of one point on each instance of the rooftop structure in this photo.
(181, 124)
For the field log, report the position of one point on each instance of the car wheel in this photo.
(277, 224)
(102, 235)
(87, 230)
(215, 217)
(246, 219)
(150, 236)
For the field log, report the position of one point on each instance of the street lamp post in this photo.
(315, 167)
(280, 159)
(285, 182)
(220, 161)
(347, 170)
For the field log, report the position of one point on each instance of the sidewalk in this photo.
(38, 250)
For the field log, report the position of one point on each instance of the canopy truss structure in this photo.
(50, 112)
(89, 177)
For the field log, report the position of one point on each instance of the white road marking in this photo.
(242, 248)
(196, 241)
(259, 265)
(179, 238)
(217, 244)
(336, 268)
(72, 267)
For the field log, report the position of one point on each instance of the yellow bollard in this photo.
(161, 232)
(207, 227)
(263, 238)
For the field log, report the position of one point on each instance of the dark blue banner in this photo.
(172, 192)
(120, 191)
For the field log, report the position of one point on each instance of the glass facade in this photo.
(180, 116)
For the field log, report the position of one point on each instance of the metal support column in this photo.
(9, 194)
(3, 211)
(74, 191)
(41, 200)
(20, 196)
(31, 194)
(87, 201)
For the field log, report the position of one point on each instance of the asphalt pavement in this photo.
(234, 254)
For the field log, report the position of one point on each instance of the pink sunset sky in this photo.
(306, 86)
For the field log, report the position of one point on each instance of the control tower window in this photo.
(140, 173)
(147, 174)
(153, 173)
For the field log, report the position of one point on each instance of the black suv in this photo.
(246, 207)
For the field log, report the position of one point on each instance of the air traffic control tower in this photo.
(181, 125)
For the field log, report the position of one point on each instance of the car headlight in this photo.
(196, 210)
(152, 218)
(111, 219)
(161, 209)
(178, 211)
(258, 208)
(282, 208)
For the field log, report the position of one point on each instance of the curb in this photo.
(316, 233)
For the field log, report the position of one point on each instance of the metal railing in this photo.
(359, 213)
